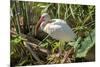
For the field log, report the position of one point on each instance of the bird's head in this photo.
(44, 18)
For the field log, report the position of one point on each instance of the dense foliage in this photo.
(24, 16)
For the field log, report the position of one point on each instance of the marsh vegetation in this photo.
(27, 49)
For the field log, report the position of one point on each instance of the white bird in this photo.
(58, 29)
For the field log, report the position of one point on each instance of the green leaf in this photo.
(86, 45)
(45, 8)
(16, 40)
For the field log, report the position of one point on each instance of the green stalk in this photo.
(17, 19)
(66, 13)
(26, 10)
(58, 11)
(71, 9)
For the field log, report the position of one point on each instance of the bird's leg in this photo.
(61, 47)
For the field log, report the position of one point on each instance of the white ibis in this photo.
(58, 29)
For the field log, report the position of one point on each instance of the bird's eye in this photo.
(42, 16)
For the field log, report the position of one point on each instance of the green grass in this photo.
(25, 16)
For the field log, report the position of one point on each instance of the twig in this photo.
(38, 48)
(66, 56)
(33, 53)
(29, 38)
(43, 40)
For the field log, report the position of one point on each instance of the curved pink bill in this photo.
(38, 25)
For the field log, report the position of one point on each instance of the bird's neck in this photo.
(44, 24)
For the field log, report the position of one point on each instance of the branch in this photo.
(33, 53)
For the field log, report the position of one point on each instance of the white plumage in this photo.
(56, 28)
(59, 30)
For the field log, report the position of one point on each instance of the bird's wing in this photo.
(58, 21)
(59, 30)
